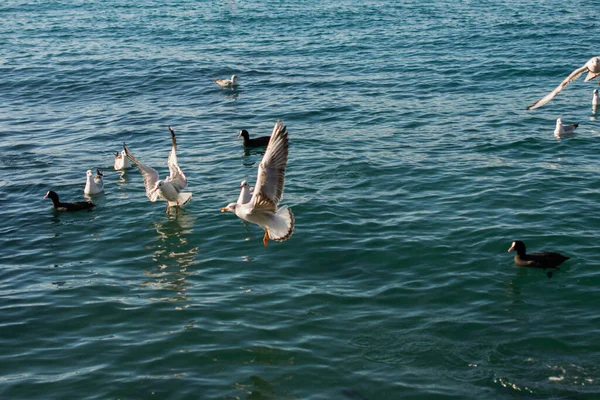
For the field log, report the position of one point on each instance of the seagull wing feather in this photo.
(271, 171)
(178, 179)
(150, 175)
(574, 75)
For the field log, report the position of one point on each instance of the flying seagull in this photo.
(262, 210)
(168, 189)
(592, 67)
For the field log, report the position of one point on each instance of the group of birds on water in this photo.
(551, 260)
(260, 204)
(592, 67)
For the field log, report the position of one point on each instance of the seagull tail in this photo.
(282, 225)
(182, 199)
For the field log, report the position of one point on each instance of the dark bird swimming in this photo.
(75, 206)
(541, 260)
(256, 142)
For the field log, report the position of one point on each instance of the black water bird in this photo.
(75, 206)
(256, 142)
(541, 260)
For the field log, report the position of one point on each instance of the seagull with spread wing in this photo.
(262, 208)
(592, 67)
(168, 189)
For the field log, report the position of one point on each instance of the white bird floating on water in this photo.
(93, 184)
(564, 129)
(245, 193)
(262, 207)
(595, 100)
(227, 83)
(121, 161)
(168, 189)
(592, 67)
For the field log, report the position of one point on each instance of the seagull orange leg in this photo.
(266, 238)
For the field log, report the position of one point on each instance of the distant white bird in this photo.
(168, 189)
(262, 207)
(592, 67)
(227, 83)
(93, 184)
(121, 161)
(595, 98)
(245, 193)
(564, 129)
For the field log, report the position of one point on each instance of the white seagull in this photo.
(93, 184)
(245, 193)
(121, 161)
(595, 98)
(262, 207)
(564, 129)
(227, 83)
(592, 67)
(168, 189)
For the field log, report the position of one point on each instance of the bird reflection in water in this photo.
(173, 254)
(269, 386)
(233, 95)
(123, 177)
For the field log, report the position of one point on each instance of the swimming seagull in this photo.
(245, 193)
(93, 185)
(74, 206)
(564, 129)
(168, 189)
(595, 99)
(262, 207)
(121, 161)
(226, 83)
(592, 67)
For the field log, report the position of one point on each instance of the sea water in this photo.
(413, 165)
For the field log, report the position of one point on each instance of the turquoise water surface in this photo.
(413, 165)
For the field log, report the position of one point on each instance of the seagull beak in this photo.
(46, 196)
(511, 248)
(223, 209)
